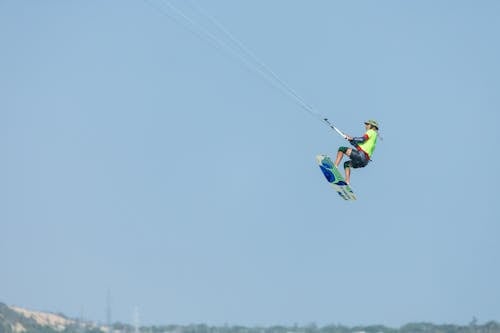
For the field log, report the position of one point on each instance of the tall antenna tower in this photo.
(81, 323)
(108, 310)
(136, 319)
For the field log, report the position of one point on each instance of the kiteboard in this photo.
(334, 177)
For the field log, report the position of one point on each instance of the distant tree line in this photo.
(489, 327)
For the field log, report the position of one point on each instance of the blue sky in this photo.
(140, 158)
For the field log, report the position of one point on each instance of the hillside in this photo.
(19, 320)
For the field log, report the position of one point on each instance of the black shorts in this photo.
(358, 159)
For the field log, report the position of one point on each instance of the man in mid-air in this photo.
(365, 145)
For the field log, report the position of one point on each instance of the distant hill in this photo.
(19, 320)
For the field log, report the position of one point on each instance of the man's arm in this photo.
(357, 140)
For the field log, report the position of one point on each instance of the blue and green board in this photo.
(334, 177)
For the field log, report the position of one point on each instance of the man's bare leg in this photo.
(348, 175)
(340, 154)
(339, 158)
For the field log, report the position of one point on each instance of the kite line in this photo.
(235, 48)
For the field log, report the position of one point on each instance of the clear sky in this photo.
(140, 158)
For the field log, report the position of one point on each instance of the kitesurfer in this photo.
(365, 145)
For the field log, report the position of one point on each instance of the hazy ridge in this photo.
(14, 319)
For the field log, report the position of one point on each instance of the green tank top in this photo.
(369, 145)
